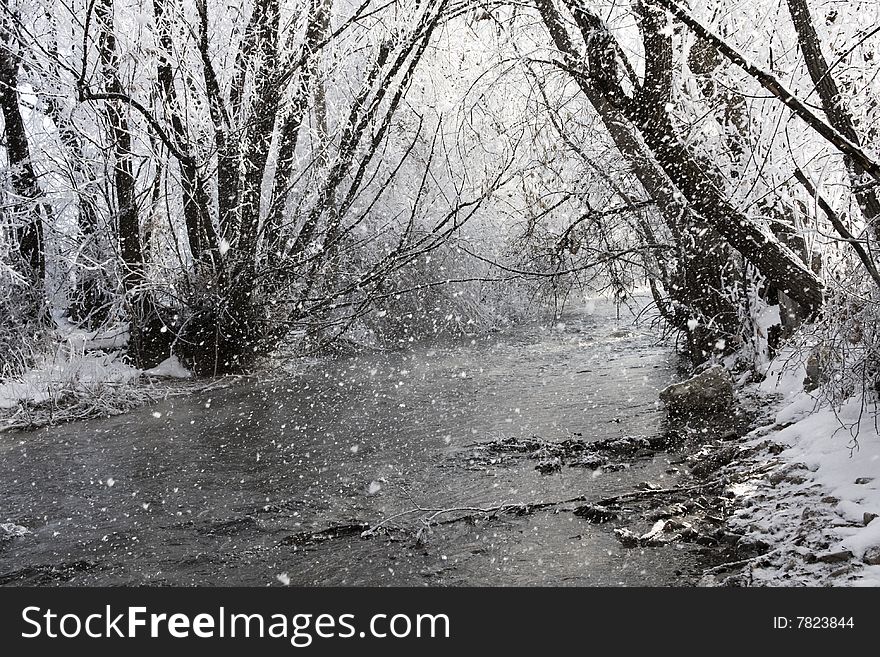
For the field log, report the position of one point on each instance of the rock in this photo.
(868, 517)
(596, 513)
(626, 537)
(675, 524)
(872, 556)
(752, 545)
(627, 445)
(710, 390)
(668, 512)
(714, 461)
(614, 467)
(835, 557)
(810, 512)
(708, 581)
(549, 466)
(864, 480)
(170, 368)
(787, 473)
(844, 570)
(592, 462)
(9, 530)
(654, 533)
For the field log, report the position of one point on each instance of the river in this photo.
(219, 487)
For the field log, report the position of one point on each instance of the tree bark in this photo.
(26, 209)
(835, 109)
(694, 178)
(775, 87)
(126, 215)
(202, 237)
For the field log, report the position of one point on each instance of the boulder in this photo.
(710, 390)
(835, 556)
(596, 514)
(872, 556)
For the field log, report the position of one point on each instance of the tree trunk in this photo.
(835, 109)
(26, 209)
(202, 237)
(694, 178)
(127, 220)
(703, 268)
(704, 60)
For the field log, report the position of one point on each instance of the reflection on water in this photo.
(210, 489)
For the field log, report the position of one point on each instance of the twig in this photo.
(730, 565)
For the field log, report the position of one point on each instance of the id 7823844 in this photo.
(813, 623)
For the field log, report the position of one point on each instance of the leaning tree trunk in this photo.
(698, 283)
(838, 114)
(694, 178)
(704, 61)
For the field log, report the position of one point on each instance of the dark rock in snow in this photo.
(835, 557)
(596, 514)
(872, 556)
(668, 512)
(787, 473)
(868, 518)
(713, 461)
(864, 480)
(710, 390)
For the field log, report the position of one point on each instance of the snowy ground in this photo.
(80, 367)
(817, 508)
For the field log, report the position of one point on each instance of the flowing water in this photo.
(219, 488)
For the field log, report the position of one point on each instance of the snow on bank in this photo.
(63, 374)
(818, 509)
(170, 368)
(79, 365)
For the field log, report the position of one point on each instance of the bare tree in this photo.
(646, 109)
(26, 211)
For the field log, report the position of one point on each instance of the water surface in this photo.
(217, 488)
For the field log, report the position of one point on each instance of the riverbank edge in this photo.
(104, 400)
(808, 490)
